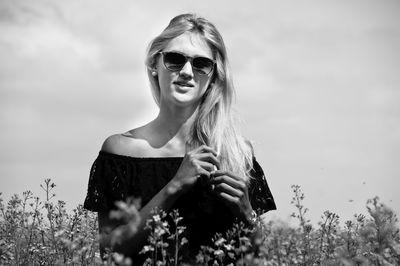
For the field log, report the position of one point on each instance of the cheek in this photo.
(204, 83)
(162, 75)
(164, 79)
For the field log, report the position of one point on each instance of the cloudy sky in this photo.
(318, 91)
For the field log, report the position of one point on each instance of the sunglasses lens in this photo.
(174, 61)
(203, 65)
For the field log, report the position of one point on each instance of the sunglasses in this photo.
(175, 61)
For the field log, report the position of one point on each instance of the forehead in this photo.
(191, 44)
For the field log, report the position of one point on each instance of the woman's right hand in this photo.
(197, 162)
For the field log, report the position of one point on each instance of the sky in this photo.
(318, 92)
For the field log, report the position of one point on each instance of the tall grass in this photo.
(36, 231)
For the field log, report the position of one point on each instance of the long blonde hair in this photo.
(214, 124)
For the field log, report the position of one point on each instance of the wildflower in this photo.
(218, 253)
(156, 218)
(146, 249)
(159, 231)
(229, 247)
(121, 259)
(220, 241)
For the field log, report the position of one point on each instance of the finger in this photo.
(224, 179)
(206, 166)
(228, 198)
(224, 188)
(209, 157)
(202, 172)
(227, 173)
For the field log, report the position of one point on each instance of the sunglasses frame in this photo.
(190, 59)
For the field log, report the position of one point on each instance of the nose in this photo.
(187, 70)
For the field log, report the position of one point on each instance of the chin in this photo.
(185, 102)
(185, 99)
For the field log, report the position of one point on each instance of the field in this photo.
(35, 231)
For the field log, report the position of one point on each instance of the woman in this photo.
(190, 157)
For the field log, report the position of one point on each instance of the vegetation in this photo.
(42, 232)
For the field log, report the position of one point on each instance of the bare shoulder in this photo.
(112, 144)
(129, 143)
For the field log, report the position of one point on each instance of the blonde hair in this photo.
(214, 124)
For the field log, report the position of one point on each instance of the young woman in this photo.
(190, 157)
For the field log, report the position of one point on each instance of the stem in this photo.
(176, 246)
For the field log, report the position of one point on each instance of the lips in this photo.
(183, 84)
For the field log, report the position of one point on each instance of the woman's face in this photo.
(184, 87)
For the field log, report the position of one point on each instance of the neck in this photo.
(176, 122)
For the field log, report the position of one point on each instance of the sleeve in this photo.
(261, 198)
(106, 185)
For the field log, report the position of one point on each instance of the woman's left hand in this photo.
(233, 191)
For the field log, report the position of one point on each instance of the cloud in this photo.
(317, 88)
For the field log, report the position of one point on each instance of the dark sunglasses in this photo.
(175, 61)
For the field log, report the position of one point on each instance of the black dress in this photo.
(115, 177)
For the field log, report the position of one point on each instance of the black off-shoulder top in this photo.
(116, 177)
